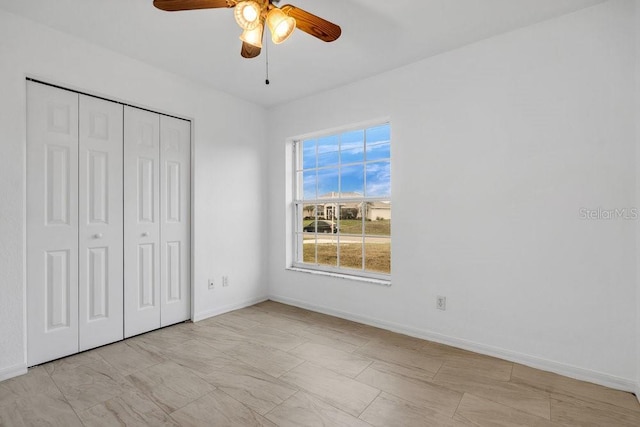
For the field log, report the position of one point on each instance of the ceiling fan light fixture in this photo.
(280, 25)
(253, 37)
(254, 15)
(247, 14)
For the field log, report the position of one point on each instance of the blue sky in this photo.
(339, 160)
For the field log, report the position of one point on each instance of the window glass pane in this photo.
(328, 151)
(351, 252)
(380, 133)
(309, 249)
(309, 184)
(320, 211)
(309, 154)
(350, 212)
(350, 220)
(350, 226)
(308, 214)
(321, 224)
(327, 249)
(352, 181)
(378, 179)
(377, 218)
(352, 147)
(330, 213)
(378, 151)
(328, 183)
(378, 254)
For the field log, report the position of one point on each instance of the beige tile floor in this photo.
(276, 365)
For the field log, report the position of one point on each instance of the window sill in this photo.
(380, 282)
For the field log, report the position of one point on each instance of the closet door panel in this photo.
(101, 222)
(141, 221)
(175, 176)
(52, 223)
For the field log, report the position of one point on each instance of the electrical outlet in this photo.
(225, 281)
(441, 302)
(212, 284)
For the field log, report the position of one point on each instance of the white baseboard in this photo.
(227, 308)
(13, 371)
(512, 356)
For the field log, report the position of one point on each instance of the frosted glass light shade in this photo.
(247, 14)
(280, 25)
(253, 37)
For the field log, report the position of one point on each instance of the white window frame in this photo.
(295, 199)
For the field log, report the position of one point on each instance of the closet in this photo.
(108, 221)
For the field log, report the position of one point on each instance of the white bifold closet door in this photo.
(74, 223)
(142, 221)
(156, 219)
(175, 220)
(100, 246)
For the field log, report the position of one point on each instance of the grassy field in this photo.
(354, 226)
(378, 255)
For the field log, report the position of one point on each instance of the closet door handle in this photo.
(145, 234)
(97, 236)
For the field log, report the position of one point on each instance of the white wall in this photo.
(229, 167)
(496, 147)
(637, 75)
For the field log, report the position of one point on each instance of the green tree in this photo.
(309, 209)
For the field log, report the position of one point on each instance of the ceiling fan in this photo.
(251, 16)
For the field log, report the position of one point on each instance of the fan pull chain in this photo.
(266, 51)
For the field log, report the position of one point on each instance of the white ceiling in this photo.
(203, 45)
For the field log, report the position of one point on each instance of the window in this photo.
(342, 202)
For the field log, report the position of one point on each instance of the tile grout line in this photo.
(370, 403)
(280, 404)
(458, 406)
(242, 403)
(371, 362)
(288, 370)
(438, 371)
(63, 396)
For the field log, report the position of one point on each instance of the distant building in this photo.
(378, 210)
(373, 211)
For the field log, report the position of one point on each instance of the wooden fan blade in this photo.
(314, 25)
(249, 50)
(174, 5)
